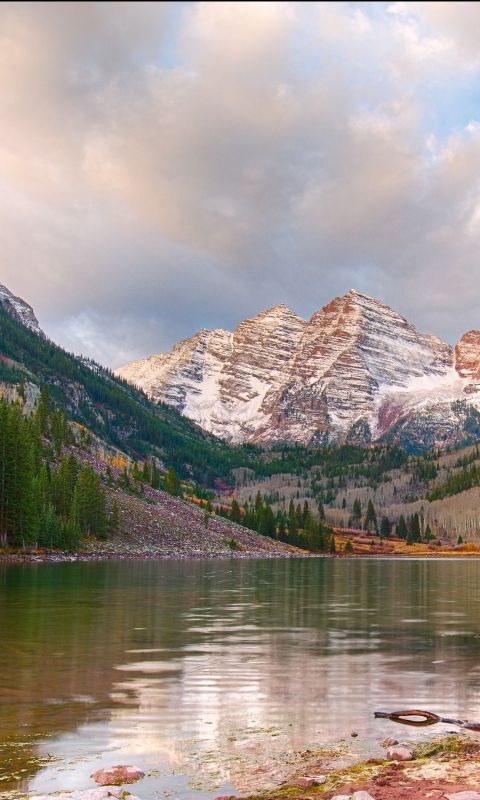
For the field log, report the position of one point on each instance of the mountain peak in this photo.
(19, 309)
(278, 378)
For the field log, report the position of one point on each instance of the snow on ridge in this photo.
(280, 378)
(23, 311)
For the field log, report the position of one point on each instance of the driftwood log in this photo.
(427, 719)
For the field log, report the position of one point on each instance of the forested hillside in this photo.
(293, 494)
(118, 413)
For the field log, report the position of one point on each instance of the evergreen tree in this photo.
(428, 533)
(416, 534)
(305, 513)
(370, 517)
(299, 516)
(43, 409)
(146, 472)
(385, 527)
(292, 519)
(356, 513)
(268, 522)
(401, 528)
(321, 510)
(235, 514)
(173, 486)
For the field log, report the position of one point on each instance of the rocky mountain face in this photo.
(357, 371)
(19, 309)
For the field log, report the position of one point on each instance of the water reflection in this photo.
(202, 671)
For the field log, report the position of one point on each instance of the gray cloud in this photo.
(165, 168)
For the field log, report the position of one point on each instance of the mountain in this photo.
(357, 371)
(119, 415)
(19, 309)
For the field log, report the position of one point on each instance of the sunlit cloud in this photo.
(167, 167)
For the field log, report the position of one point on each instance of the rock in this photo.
(354, 735)
(117, 776)
(400, 752)
(227, 797)
(362, 796)
(89, 794)
(389, 742)
(463, 796)
(342, 797)
(311, 780)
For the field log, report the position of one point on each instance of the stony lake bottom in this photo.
(201, 672)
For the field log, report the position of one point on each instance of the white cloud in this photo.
(284, 153)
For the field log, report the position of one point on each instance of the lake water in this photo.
(202, 671)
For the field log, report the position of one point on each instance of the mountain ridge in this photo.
(356, 371)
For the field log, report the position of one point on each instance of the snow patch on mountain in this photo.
(21, 309)
(278, 378)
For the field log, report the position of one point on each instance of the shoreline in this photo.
(53, 557)
(441, 767)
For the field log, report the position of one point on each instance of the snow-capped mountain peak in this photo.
(20, 309)
(356, 365)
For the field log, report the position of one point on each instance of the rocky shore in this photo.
(446, 766)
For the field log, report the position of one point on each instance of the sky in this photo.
(166, 167)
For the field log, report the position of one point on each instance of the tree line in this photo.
(46, 499)
(298, 527)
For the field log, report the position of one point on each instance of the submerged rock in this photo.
(117, 776)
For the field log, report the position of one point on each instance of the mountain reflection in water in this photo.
(202, 671)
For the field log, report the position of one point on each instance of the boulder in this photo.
(117, 776)
(362, 796)
(400, 752)
(463, 796)
(310, 780)
(389, 742)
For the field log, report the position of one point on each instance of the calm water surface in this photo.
(199, 671)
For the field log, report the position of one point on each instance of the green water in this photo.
(200, 671)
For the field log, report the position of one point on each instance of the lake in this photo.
(202, 671)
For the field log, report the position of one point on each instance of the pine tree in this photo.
(385, 528)
(416, 534)
(370, 517)
(292, 519)
(299, 516)
(146, 472)
(321, 510)
(401, 528)
(173, 486)
(43, 409)
(305, 513)
(235, 514)
(428, 533)
(356, 512)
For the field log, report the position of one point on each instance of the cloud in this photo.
(167, 167)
